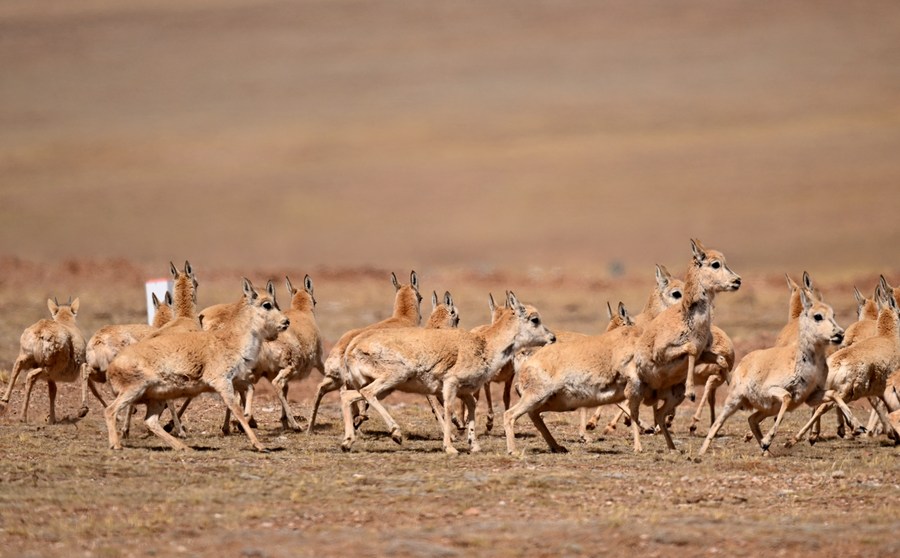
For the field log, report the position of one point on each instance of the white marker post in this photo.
(159, 288)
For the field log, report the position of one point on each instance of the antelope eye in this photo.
(676, 295)
(536, 321)
(715, 265)
(818, 317)
(267, 305)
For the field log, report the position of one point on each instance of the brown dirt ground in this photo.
(559, 149)
(62, 493)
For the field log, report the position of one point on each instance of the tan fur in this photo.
(788, 333)
(578, 373)
(863, 369)
(680, 332)
(407, 313)
(776, 380)
(449, 362)
(51, 350)
(109, 340)
(185, 302)
(292, 356)
(189, 363)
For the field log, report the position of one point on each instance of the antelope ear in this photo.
(168, 298)
(807, 282)
(662, 276)
(173, 270)
(860, 300)
(270, 288)
(884, 284)
(805, 300)
(514, 303)
(395, 282)
(609, 313)
(448, 298)
(155, 301)
(792, 285)
(53, 306)
(188, 270)
(307, 284)
(76, 303)
(414, 280)
(698, 250)
(891, 301)
(491, 304)
(249, 291)
(290, 288)
(623, 312)
(434, 300)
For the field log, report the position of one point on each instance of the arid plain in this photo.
(556, 149)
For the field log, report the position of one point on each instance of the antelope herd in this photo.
(654, 358)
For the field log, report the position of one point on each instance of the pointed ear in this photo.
(448, 298)
(491, 304)
(188, 270)
(514, 303)
(414, 280)
(884, 284)
(623, 312)
(76, 303)
(662, 277)
(249, 291)
(698, 250)
(290, 288)
(173, 270)
(307, 284)
(155, 301)
(860, 300)
(53, 306)
(609, 313)
(891, 301)
(434, 300)
(168, 298)
(395, 282)
(270, 288)
(791, 284)
(807, 282)
(805, 300)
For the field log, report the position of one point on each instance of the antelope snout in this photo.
(736, 284)
(552, 338)
(285, 323)
(838, 337)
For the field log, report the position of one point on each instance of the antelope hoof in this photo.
(116, 447)
(489, 425)
(450, 450)
(346, 444)
(747, 437)
(627, 422)
(692, 396)
(790, 443)
(475, 449)
(693, 429)
(841, 431)
(590, 426)
(83, 411)
(859, 431)
(765, 447)
(358, 420)
(397, 436)
(559, 449)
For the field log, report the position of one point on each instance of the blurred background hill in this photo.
(451, 134)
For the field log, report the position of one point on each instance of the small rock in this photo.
(472, 511)
(838, 474)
